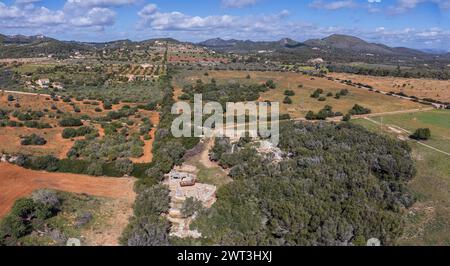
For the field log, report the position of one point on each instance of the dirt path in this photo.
(148, 146)
(397, 128)
(204, 156)
(25, 93)
(177, 92)
(338, 119)
(17, 182)
(396, 112)
(65, 146)
(101, 130)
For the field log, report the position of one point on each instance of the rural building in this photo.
(43, 83)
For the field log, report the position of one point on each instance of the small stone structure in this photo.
(179, 192)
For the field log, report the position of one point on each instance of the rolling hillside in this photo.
(337, 48)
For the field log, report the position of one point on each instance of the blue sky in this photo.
(411, 23)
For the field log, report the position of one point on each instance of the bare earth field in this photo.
(422, 88)
(17, 182)
(304, 86)
(56, 144)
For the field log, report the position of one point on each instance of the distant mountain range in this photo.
(335, 44)
(339, 48)
(335, 48)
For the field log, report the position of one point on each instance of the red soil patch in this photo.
(148, 154)
(56, 145)
(17, 182)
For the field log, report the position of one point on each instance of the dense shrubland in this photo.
(338, 185)
(112, 146)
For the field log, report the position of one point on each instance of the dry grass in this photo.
(422, 88)
(302, 102)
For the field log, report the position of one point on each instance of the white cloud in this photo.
(152, 18)
(238, 3)
(99, 3)
(404, 5)
(10, 12)
(95, 17)
(24, 14)
(148, 10)
(332, 5)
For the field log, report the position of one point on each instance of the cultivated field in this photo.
(56, 145)
(40, 102)
(421, 88)
(304, 86)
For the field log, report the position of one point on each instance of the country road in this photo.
(25, 93)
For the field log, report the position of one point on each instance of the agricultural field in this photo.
(139, 53)
(188, 54)
(421, 88)
(28, 114)
(438, 121)
(303, 86)
(139, 72)
(426, 222)
(90, 80)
